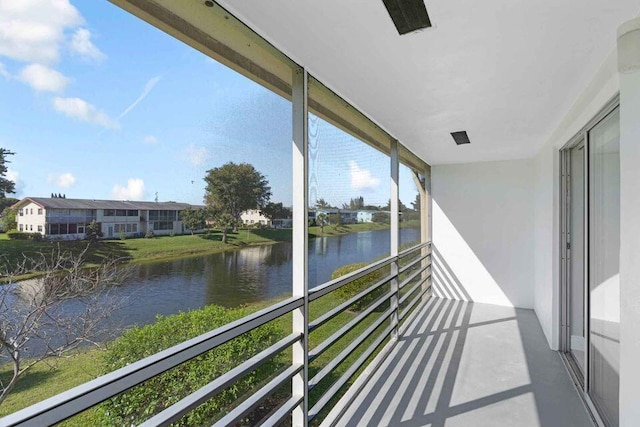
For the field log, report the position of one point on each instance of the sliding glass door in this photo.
(591, 246)
(604, 265)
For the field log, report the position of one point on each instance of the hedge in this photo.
(21, 235)
(143, 401)
(358, 285)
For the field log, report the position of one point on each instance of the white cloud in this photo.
(43, 78)
(64, 180)
(197, 156)
(33, 30)
(82, 45)
(133, 191)
(80, 109)
(3, 71)
(148, 87)
(14, 176)
(361, 179)
(150, 139)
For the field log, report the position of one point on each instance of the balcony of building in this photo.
(469, 325)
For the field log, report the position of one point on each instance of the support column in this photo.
(629, 67)
(300, 244)
(395, 235)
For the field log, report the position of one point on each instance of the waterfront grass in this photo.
(13, 252)
(44, 381)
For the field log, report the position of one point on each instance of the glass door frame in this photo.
(582, 379)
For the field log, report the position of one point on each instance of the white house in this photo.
(60, 218)
(254, 217)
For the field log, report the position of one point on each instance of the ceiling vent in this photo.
(408, 15)
(461, 137)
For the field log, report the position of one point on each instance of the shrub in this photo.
(359, 285)
(122, 235)
(149, 234)
(22, 235)
(141, 402)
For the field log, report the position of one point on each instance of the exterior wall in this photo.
(30, 219)
(604, 85)
(253, 216)
(483, 232)
(629, 48)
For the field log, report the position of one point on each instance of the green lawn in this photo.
(12, 252)
(44, 381)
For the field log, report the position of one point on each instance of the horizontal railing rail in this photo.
(414, 274)
(87, 395)
(179, 409)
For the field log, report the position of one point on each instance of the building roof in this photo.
(60, 203)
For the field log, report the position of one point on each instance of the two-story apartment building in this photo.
(60, 218)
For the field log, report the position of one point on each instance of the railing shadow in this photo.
(434, 378)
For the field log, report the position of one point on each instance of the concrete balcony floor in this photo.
(463, 364)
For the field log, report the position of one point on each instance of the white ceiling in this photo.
(504, 71)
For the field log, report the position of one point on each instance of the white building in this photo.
(60, 218)
(254, 217)
(367, 215)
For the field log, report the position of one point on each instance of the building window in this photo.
(31, 227)
(39, 229)
(121, 212)
(73, 228)
(163, 225)
(109, 212)
(31, 211)
(80, 229)
(155, 215)
(20, 211)
(132, 212)
(21, 227)
(39, 211)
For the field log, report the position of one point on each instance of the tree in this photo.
(381, 217)
(232, 189)
(356, 204)
(8, 219)
(7, 202)
(93, 232)
(321, 219)
(194, 219)
(6, 185)
(39, 321)
(275, 211)
(322, 204)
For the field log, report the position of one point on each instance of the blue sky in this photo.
(98, 104)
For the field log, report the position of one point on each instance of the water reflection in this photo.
(233, 278)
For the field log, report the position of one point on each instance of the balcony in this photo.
(437, 362)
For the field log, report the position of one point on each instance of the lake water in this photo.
(233, 278)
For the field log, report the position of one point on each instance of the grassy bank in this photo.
(43, 381)
(12, 252)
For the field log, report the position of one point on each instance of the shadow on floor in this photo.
(467, 364)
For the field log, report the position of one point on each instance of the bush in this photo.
(21, 235)
(141, 402)
(359, 285)
(149, 234)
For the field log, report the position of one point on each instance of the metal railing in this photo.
(92, 393)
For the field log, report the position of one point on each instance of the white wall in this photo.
(630, 226)
(604, 85)
(30, 219)
(483, 232)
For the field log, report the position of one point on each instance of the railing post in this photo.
(395, 237)
(424, 189)
(300, 325)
